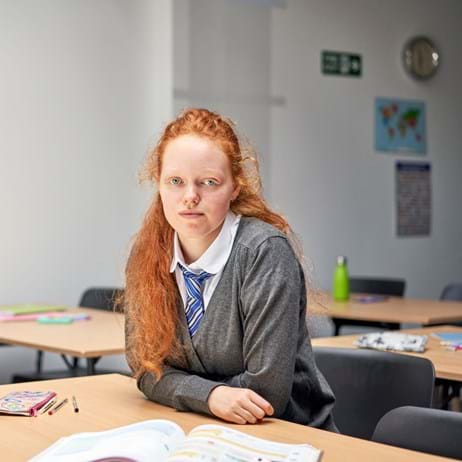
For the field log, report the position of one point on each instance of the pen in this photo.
(47, 406)
(74, 403)
(58, 406)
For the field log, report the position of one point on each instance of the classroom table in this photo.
(109, 401)
(101, 335)
(391, 312)
(447, 363)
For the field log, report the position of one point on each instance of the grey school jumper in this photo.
(253, 335)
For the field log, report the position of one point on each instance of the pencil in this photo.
(74, 403)
(47, 406)
(58, 406)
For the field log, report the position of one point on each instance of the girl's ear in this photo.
(236, 192)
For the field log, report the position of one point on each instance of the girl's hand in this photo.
(238, 405)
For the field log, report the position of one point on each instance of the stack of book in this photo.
(39, 313)
(451, 340)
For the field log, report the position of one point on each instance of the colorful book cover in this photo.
(454, 338)
(25, 402)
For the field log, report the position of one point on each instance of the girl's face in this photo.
(196, 187)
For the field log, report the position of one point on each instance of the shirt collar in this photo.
(215, 257)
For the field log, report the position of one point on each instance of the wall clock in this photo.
(421, 58)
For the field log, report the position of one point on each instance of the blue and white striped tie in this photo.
(194, 301)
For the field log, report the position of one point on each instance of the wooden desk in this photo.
(448, 364)
(108, 401)
(101, 335)
(393, 311)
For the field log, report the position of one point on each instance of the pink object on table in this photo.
(35, 316)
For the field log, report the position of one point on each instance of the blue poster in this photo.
(400, 125)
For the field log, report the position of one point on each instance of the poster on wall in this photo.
(400, 126)
(413, 198)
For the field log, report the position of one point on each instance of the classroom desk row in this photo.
(447, 363)
(393, 311)
(109, 401)
(103, 334)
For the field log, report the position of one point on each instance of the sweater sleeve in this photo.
(176, 388)
(272, 303)
(179, 389)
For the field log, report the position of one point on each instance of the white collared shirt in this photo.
(213, 260)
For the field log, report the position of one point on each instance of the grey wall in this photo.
(84, 86)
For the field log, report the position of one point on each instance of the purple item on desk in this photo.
(370, 298)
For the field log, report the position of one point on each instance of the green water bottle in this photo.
(340, 283)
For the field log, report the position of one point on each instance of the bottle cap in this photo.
(341, 260)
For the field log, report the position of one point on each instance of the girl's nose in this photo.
(191, 197)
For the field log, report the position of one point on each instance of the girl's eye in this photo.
(175, 180)
(210, 182)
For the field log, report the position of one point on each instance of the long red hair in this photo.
(151, 294)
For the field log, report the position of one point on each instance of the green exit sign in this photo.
(340, 63)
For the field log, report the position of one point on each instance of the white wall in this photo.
(84, 88)
(337, 191)
(222, 52)
(259, 62)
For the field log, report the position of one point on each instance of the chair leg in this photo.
(450, 390)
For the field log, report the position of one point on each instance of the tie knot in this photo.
(199, 278)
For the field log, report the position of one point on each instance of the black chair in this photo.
(381, 286)
(427, 430)
(452, 292)
(369, 383)
(377, 286)
(450, 388)
(101, 298)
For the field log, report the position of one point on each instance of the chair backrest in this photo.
(102, 298)
(381, 286)
(369, 383)
(452, 292)
(426, 430)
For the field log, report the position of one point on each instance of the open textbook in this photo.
(163, 440)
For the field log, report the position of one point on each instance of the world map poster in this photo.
(400, 125)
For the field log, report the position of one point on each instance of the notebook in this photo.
(16, 310)
(25, 402)
(393, 341)
(164, 440)
(452, 338)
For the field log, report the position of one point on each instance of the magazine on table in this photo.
(164, 440)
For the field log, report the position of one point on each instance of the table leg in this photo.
(38, 363)
(337, 325)
(91, 366)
